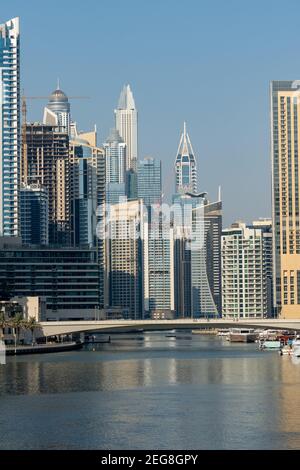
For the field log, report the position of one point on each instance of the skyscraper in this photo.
(45, 161)
(126, 124)
(57, 111)
(158, 267)
(285, 153)
(87, 190)
(9, 126)
(185, 166)
(125, 257)
(115, 156)
(197, 255)
(149, 185)
(34, 215)
(246, 267)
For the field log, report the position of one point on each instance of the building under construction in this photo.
(45, 162)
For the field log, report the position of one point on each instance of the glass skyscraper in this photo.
(149, 181)
(9, 126)
(115, 156)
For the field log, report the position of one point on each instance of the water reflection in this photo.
(199, 393)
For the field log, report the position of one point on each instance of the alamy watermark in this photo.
(132, 220)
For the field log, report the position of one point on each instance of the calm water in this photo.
(152, 392)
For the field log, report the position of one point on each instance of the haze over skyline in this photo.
(213, 73)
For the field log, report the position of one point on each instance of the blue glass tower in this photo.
(9, 126)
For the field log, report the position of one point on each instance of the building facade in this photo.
(158, 248)
(246, 267)
(127, 124)
(87, 190)
(68, 278)
(185, 166)
(285, 152)
(9, 126)
(125, 261)
(45, 162)
(115, 156)
(197, 256)
(149, 184)
(34, 215)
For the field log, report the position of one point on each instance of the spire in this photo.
(126, 100)
(58, 84)
(185, 146)
(185, 164)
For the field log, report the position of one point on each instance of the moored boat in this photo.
(242, 335)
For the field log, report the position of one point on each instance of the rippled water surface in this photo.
(149, 391)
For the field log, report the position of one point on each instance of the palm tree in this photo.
(3, 323)
(31, 324)
(16, 323)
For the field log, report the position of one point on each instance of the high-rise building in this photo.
(158, 267)
(57, 111)
(197, 255)
(126, 124)
(149, 186)
(131, 185)
(87, 190)
(285, 152)
(185, 166)
(9, 126)
(87, 198)
(246, 267)
(125, 262)
(45, 161)
(34, 215)
(115, 155)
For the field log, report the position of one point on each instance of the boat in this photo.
(223, 332)
(202, 331)
(296, 347)
(270, 344)
(242, 335)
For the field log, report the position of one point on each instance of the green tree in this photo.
(16, 323)
(3, 323)
(32, 325)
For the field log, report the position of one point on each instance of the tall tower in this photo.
(9, 126)
(115, 155)
(47, 151)
(57, 111)
(149, 183)
(126, 124)
(285, 153)
(185, 165)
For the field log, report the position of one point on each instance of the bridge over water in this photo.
(52, 328)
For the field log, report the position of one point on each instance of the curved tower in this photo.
(185, 165)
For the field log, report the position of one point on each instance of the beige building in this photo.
(124, 256)
(285, 153)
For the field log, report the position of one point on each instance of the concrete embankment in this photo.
(43, 348)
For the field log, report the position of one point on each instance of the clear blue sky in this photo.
(206, 62)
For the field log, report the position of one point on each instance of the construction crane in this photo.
(24, 105)
(24, 165)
